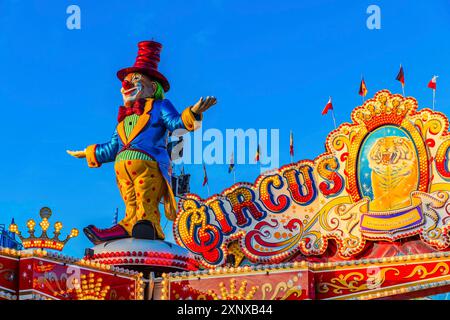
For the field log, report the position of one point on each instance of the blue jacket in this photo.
(148, 136)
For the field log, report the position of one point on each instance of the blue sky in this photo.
(271, 65)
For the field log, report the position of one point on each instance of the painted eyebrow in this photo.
(136, 77)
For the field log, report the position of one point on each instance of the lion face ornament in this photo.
(394, 172)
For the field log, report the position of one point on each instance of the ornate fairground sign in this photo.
(43, 275)
(383, 177)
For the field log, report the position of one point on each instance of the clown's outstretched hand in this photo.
(77, 154)
(203, 104)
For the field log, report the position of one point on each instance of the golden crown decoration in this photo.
(43, 241)
(90, 288)
(384, 106)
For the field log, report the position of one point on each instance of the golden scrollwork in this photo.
(356, 281)
(297, 291)
(289, 287)
(422, 271)
(427, 125)
(343, 139)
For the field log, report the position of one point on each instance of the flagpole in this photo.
(258, 157)
(291, 146)
(434, 97)
(165, 225)
(334, 119)
(205, 178)
(363, 95)
(234, 175)
(401, 78)
(232, 167)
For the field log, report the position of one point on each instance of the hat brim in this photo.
(153, 74)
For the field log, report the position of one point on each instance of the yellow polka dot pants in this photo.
(142, 187)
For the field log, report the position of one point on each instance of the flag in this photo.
(329, 106)
(205, 176)
(362, 88)
(432, 83)
(231, 167)
(291, 144)
(401, 76)
(257, 154)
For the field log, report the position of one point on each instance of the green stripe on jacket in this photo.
(129, 123)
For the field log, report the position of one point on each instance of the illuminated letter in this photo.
(281, 203)
(327, 169)
(242, 199)
(217, 207)
(442, 160)
(197, 234)
(294, 185)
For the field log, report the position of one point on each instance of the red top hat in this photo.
(147, 63)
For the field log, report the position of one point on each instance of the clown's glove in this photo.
(77, 154)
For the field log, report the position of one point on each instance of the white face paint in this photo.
(131, 93)
(138, 87)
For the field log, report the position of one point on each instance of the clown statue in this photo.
(138, 148)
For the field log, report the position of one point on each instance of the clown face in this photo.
(136, 86)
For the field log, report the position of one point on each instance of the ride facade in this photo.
(367, 219)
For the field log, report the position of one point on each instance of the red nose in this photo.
(127, 85)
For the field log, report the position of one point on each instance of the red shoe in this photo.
(97, 235)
